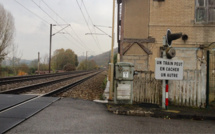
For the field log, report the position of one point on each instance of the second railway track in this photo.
(16, 82)
(22, 103)
(11, 82)
(45, 88)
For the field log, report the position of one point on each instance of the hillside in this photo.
(101, 59)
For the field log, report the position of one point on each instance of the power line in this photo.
(31, 11)
(103, 26)
(36, 15)
(88, 25)
(53, 10)
(90, 20)
(80, 41)
(74, 45)
(102, 31)
(49, 16)
(44, 11)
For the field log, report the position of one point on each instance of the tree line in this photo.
(62, 60)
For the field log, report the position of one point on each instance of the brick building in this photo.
(141, 27)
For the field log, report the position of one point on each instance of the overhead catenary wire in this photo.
(44, 11)
(88, 25)
(103, 26)
(49, 16)
(74, 45)
(31, 12)
(102, 31)
(90, 20)
(78, 38)
(96, 26)
(43, 20)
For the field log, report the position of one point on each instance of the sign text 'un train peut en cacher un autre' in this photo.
(166, 69)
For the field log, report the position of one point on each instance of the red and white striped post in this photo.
(167, 101)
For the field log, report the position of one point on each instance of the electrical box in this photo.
(123, 83)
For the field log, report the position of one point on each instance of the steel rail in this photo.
(26, 76)
(69, 86)
(51, 93)
(30, 87)
(33, 77)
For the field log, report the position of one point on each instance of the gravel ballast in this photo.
(88, 90)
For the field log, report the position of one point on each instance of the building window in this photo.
(205, 11)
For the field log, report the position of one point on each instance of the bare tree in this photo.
(45, 59)
(15, 57)
(6, 31)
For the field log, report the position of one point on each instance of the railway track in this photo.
(15, 83)
(28, 88)
(18, 110)
(16, 79)
(54, 92)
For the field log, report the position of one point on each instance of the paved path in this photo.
(79, 116)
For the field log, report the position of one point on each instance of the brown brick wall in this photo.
(136, 18)
(140, 62)
(172, 12)
(177, 15)
(136, 56)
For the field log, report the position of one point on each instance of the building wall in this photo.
(136, 19)
(149, 18)
(138, 57)
(179, 16)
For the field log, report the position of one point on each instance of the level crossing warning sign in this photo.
(166, 69)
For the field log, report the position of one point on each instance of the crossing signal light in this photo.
(170, 37)
(170, 53)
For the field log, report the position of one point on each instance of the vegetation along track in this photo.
(53, 87)
(14, 82)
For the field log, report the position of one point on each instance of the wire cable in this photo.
(50, 17)
(31, 12)
(90, 20)
(44, 11)
(38, 17)
(79, 39)
(87, 24)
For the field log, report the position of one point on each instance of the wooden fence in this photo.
(190, 91)
(146, 88)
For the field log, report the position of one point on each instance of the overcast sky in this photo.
(33, 19)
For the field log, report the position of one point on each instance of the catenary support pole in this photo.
(86, 60)
(50, 47)
(38, 62)
(112, 55)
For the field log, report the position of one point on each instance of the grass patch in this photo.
(104, 83)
